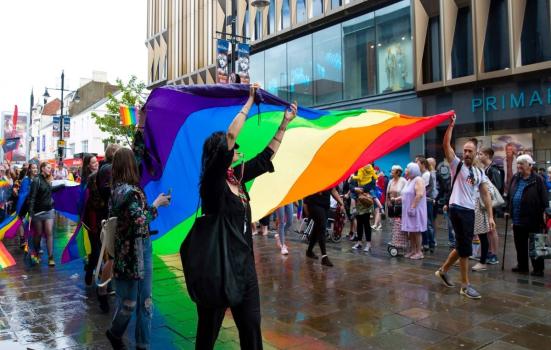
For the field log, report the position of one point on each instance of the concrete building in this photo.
(490, 60)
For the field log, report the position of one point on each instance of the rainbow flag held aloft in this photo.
(78, 246)
(319, 150)
(129, 115)
(8, 227)
(6, 260)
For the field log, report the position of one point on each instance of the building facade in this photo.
(490, 60)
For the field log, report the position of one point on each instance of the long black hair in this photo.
(214, 144)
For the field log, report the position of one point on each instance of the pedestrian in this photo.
(429, 178)
(414, 210)
(464, 194)
(492, 171)
(41, 212)
(23, 202)
(89, 214)
(481, 229)
(223, 187)
(285, 221)
(394, 205)
(364, 208)
(526, 205)
(133, 266)
(61, 172)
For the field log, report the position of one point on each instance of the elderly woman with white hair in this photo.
(527, 203)
(394, 205)
(414, 210)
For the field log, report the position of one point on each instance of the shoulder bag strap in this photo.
(457, 170)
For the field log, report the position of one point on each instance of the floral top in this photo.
(133, 214)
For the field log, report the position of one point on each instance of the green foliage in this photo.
(129, 94)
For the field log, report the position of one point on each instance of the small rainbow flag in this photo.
(6, 260)
(129, 115)
(78, 246)
(8, 227)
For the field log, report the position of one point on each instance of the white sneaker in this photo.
(374, 227)
(284, 250)
(379, 228)
(367, 248)
(357, 246)
(479, 267)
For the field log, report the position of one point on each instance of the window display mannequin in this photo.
(401, 68)
(390, 68)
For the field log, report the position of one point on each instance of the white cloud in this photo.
(39, 38)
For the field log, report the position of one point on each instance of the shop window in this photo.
(245, 29)
(394, 48)
(359, 57)
(336, 4)
(299, 62)
(258, 26)
(301, 10)
(271, 18)
(256, 69)
(496, 43)
(327, 49)
(536, 32)
(285, 14)
(317, 8)
(432, 67)
(275, 72)
(462, 49)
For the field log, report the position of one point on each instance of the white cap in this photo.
(525, 158)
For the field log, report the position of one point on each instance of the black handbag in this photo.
(213, 269)
(394, 210)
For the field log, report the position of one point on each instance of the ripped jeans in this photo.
(135, 295)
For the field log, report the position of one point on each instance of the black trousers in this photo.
(364, 226)
(246, 316)
(319, 215)
(484, 247)
(95, 245)
(522, 235)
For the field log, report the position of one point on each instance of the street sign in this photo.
(61, 143)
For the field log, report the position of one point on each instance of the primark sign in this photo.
(521, 99)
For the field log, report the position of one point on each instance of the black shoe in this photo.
(537, 273)
(325, 261)
(519, 270)
(117, 344)
(88, 277)
(311, 255)
(103, 302)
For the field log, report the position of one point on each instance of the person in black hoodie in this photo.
(41, 212)
(527, 202)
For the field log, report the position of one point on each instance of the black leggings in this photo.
(319, 215)
(484, 246)
(364, 225)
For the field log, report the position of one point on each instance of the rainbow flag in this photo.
(319, 150)
(78, 246)
(129, 115)
(8, 227)
(6, 260)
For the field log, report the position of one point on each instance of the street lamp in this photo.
(260, 4)
(76, 98)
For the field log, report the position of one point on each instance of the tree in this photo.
(129, 94)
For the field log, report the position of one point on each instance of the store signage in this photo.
(513, 100)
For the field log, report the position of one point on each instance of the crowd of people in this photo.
(465, 190)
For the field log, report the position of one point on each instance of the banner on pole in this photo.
(243, 53)
(222, 59)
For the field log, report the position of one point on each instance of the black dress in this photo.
(217, 198)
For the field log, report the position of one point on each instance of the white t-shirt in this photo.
(465, 190)
(426, 177)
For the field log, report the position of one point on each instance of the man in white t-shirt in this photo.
(461, 209)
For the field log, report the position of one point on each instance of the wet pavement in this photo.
(366, 301)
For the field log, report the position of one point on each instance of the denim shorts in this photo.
(463, 225)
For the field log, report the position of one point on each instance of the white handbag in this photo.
(497, 199)
(107, 236)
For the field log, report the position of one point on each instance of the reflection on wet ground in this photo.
(367, 301)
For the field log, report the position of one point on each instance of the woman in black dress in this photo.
(224, 187)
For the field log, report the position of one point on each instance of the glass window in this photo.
(462, 49)
(299, 62)
(317, 8)
(359, 57)
(256, 69)
(285, 14)
(336, 3)
(301, 10)
(271, 18)
(431, 55)
(245, 29)
(394, 48)
(258, 26)
(276, 71)
(496, 44)
(328, 82)
(536, 32)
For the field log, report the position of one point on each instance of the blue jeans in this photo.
(135, 295)
(428, 235)
(285, 217)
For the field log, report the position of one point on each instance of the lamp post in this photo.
(76, 98)
(29, 135)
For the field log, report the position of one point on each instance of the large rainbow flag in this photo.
(319, 150)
